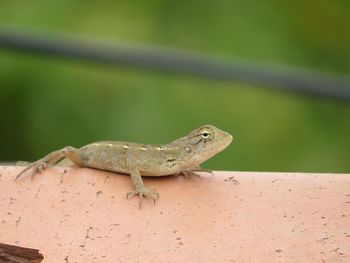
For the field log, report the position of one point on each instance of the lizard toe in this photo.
(37, 167)
(190, 174)
(149, 193)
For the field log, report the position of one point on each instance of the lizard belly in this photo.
(158, 171)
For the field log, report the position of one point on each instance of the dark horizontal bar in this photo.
(182, 62)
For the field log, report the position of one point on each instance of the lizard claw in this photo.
(189, 174)
(192, 172)
(149, 193)
(200, 169)
(37, 166)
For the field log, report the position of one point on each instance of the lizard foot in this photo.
(189, 174)
(149, 193)
(192, 172)
(37, 166)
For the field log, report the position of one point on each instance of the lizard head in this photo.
(204, 142)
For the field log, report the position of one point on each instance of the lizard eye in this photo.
(205, 134)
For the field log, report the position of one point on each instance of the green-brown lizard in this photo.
(182, 156)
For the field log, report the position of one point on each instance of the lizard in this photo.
(182, 156)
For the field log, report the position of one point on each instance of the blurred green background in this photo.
(46, 103)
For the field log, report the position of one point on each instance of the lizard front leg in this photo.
(51, 159)
(192, 172)
(140, 189)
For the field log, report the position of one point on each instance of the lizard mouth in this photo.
(224, 143)
(219, 146)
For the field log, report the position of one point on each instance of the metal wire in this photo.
(181, 62)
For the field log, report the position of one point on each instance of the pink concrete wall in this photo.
(82, 215)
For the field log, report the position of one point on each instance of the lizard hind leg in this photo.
(51, 159)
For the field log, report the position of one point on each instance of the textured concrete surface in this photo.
(82, 215)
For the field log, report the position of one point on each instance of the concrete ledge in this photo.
(82, 215)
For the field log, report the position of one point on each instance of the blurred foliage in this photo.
(47, 103)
